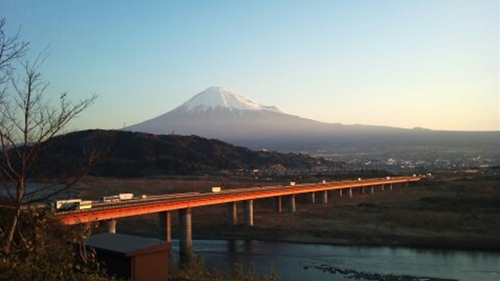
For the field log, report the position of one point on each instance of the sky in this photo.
(426, 63)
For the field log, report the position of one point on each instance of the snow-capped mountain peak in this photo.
(219, 97)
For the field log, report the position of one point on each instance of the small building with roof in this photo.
(131, 257)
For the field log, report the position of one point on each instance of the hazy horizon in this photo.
(429, 64)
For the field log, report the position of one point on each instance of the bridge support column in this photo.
(110, 225)
(312, 197)
(186, 235)
(165, 227)
(383, 188)
(390, 186)
(232, 213)
(350, 192)
(291, 203)
(277, 204)
(362, 189)
(248, 212)
(372, 189)
(324, 196)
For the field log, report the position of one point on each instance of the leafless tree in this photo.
(11, 49)
(28, 120)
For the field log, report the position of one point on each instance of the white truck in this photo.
(66, 204)
(82, 205)
(126, 196)
(70, 204)
(216, 189)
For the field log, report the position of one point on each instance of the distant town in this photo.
(422, 161)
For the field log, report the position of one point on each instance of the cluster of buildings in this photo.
(402, 164)
(424, 163)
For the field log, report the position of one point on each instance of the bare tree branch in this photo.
(11, 48)
(27, 121)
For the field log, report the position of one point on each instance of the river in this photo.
(297, 261)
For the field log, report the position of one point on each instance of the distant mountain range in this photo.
(222, 114)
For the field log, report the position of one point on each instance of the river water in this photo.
(297, 261)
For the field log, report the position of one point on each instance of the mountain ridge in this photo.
(225, 115)
(134, 154)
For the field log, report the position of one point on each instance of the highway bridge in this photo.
(184, 202)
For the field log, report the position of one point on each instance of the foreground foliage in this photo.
(42, 251)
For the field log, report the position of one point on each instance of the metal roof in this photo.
(121, 243)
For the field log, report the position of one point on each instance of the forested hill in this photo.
(131, 154)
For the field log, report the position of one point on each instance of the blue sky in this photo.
(426, 63)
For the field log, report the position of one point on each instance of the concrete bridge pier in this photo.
(110, 225)
(291, 203)
(383, 188)
(248, 213)
(186, 235)
(232, 213)
(340, 192)
(372, 189)
(350, 192)
(277, 204)
(390, 186)
(165, 227)
(362, 190)
(323, 196)
(313, 197)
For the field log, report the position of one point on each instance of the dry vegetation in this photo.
(449, 213)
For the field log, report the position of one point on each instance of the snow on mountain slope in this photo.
(222, 114)
(221, 98)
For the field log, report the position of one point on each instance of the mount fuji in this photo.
(222, 114)
(221, 99)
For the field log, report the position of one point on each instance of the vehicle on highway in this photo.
(69, 205)
(117, 197)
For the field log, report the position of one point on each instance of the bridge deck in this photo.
(172, 202)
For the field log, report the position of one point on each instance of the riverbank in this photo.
(449, 213)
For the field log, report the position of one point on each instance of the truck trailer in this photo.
(126, 196)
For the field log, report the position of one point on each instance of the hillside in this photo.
(129, 154)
